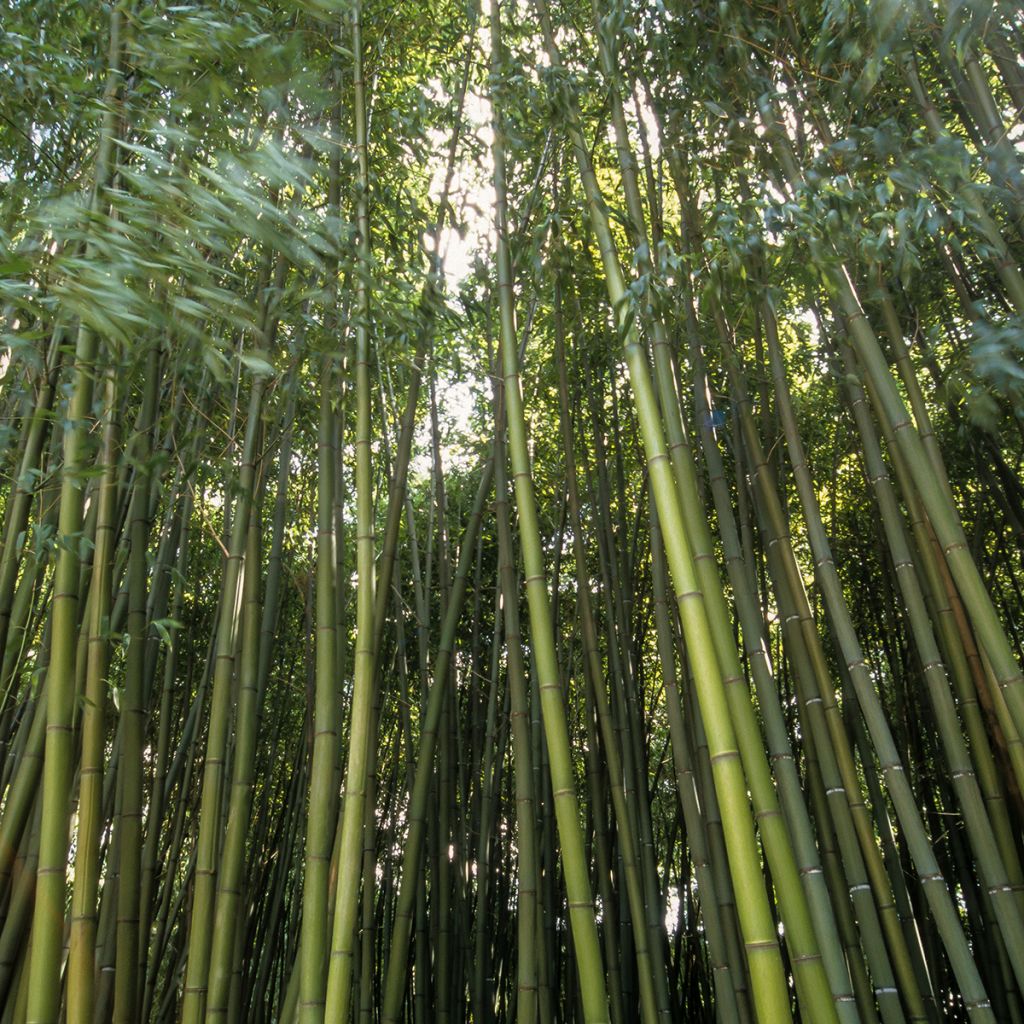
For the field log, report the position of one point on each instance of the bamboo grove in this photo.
(512, 512)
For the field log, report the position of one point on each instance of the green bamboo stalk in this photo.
(647, 962)
(581, 907)
(208, 842)
(230, 879)
(82, 940)
(44, 989)
(339, 975)
(127, 984)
